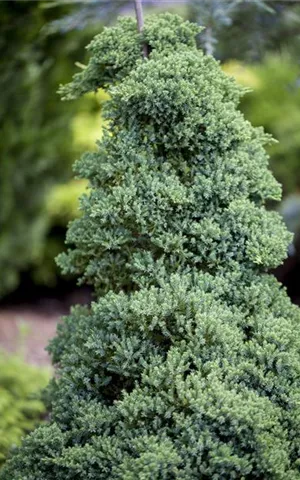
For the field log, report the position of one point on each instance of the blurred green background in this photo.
(42, 44)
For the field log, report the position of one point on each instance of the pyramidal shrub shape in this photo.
(187, 364)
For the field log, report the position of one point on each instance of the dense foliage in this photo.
(187, 363)
(21, 408)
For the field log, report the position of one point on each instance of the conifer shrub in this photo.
(187, 363)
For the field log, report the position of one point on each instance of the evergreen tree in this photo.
(186, 365)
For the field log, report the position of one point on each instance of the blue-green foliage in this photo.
(187, 365)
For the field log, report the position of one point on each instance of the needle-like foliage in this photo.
(187, 364)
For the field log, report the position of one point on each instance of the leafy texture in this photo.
(186, 365)
(20, 405)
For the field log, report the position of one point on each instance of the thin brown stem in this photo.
(140, 21)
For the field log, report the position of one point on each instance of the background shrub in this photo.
(21, 407)
(37, 147)
(274, 102)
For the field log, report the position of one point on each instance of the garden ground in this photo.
(27, 331)
(26, 328)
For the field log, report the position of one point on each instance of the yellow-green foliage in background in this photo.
(37, 145)
(62, 201)
(275, 103)
(35, 148)
(87, 125)
(21, 407)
